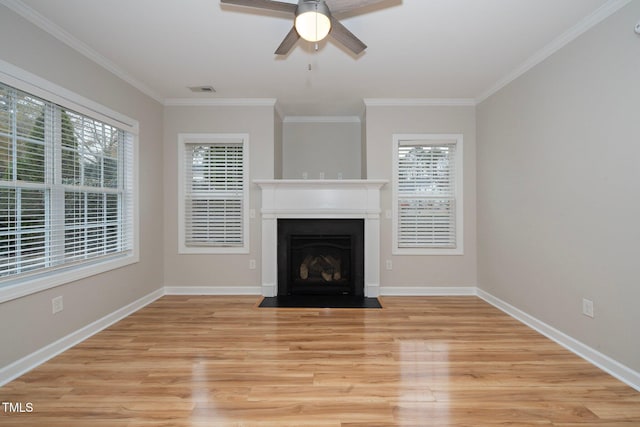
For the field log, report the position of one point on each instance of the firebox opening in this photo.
(320, 263)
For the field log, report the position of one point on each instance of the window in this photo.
(66, 193)
(213, 193)
(427, 194)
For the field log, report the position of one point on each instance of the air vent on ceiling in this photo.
(202, 89)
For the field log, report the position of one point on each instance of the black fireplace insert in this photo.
(321, 257)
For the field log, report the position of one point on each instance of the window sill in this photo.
(430, 252)
(183, 250)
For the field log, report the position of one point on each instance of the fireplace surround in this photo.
(320, 200)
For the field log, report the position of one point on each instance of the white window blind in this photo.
(426, 195)
(214, 194)
(66, 187)
(97, 185)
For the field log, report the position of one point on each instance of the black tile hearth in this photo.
(320, 301)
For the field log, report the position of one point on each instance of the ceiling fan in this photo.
(313, 21)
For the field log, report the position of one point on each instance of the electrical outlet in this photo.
(587, 307)
(321, 175)
(305, 175)
(252, 264)
(389, 265)
(339, 175)
(57, 305)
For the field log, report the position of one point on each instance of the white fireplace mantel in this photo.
(350, 198)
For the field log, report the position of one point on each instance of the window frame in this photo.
(428, 139)
(32, 282)
(212, 138)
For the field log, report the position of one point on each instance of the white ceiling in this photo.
(427, 49)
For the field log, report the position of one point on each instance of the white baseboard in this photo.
(607, 364)
(38, 357)
(427, 291)
(213, 290)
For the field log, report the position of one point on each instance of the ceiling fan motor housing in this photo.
(313, 20)
(312, 5)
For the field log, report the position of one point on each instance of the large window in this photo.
(213, 193)
(427, 194)
(66, 192)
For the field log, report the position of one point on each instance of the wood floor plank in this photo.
(219, 361)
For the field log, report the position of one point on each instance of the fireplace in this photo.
(321, 257)
(315, 200)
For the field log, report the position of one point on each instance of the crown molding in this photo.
(48, 26)
(36, 85)
(321, 119)
(419, 102)
(220, 102)
(600, 14)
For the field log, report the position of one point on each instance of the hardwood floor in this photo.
(220, 361)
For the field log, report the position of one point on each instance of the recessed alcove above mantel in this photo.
(320, 147)
(321, 199)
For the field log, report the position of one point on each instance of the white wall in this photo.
(28, 324)
(382, 122)
(183, 270)
(559, 189)
(321, 146)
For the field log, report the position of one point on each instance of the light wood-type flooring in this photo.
(221, 361)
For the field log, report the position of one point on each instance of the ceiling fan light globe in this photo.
(313, 26)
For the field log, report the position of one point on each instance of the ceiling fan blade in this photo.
(346, 37)
(288, 42)
(340, 6)
(264, 4)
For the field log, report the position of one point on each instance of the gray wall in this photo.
(216, 270)
(416, 270)
(32, 326)
(363, 148)
(559, 187)
(320, 146)
(278, 129)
